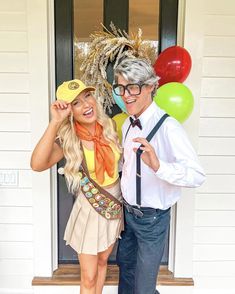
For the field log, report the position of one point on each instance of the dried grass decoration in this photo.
(107, 48)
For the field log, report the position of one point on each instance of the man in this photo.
(151, 186)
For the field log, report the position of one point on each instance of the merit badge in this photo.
(86, 188)
(107, 215)
(88, 194)
(94, 191)
(114, 206)
(111, 203)
(101, 202)
(98, 197)
(90, 185)
(84, 181)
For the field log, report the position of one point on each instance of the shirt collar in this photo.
(148, 113)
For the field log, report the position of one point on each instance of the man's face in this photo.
(137, 97)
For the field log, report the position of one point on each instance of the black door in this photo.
(75, 20)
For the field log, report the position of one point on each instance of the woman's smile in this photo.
(89, 113)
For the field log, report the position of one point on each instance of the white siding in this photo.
(214, 241)
(16, 223)
(25, 238)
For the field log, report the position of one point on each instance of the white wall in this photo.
(214, 229)
(25, 210)
(16, 229)
(23, 116)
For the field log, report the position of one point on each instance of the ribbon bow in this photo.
(135, 122)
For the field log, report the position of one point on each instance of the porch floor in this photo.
(69, 274)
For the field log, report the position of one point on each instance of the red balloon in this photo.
(173, 65)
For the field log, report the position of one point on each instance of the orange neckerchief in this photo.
(104, 156)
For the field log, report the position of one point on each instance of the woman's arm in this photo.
(47, 152)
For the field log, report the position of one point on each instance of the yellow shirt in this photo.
(90, 161)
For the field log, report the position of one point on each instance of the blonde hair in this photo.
(71, 145)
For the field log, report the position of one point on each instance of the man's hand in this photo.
(148, 156)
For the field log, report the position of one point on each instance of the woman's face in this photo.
(84, 108)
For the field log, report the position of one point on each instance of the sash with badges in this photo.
(100, 199)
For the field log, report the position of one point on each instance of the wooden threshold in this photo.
(69, 274)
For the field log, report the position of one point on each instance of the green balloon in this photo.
(176, 99)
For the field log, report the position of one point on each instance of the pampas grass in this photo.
(110, 47)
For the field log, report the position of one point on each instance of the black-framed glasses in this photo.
(132, 89)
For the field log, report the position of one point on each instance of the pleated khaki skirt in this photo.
(87, 231)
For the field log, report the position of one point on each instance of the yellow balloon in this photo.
(119, 119)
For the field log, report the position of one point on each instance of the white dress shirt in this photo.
(179, 165)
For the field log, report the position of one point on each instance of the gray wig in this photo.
(137, 70)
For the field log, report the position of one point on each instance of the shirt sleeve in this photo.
(182, 167)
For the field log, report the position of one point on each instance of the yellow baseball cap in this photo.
(69, 90)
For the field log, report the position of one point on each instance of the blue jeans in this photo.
(140, 251)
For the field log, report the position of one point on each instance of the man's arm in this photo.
(182, 168)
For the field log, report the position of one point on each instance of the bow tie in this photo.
(135, 122)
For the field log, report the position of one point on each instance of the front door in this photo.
(75, 20)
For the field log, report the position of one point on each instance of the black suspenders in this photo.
(138, 154)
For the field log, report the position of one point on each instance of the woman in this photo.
(81, 132)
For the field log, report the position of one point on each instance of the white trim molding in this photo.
(190, 32)
(37, 11)
(44, 185)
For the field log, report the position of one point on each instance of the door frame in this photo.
(64, 32)
(64, 55)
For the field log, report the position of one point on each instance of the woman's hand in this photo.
(148, 156)
(60, 110)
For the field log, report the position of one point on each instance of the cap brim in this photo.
(89, 88)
